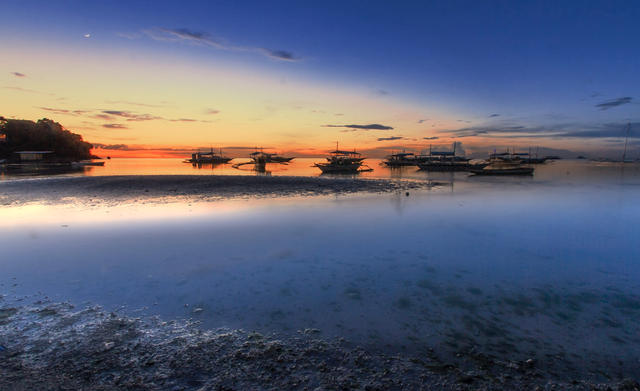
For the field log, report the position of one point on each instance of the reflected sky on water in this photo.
(520, 267)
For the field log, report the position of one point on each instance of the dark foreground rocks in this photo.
(116, 190)
(54, 346)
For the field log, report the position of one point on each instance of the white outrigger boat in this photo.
(504, 164)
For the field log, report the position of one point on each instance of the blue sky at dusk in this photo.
(298, 76)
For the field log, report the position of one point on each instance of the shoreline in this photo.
(117, 190)
(56, 346)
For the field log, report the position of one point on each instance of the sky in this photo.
(166, 78)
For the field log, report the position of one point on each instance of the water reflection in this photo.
(571, 171)
(519, 268)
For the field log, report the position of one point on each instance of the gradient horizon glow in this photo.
(164, 78)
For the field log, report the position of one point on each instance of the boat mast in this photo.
(625, 143)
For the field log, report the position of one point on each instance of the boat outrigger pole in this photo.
(625, 143)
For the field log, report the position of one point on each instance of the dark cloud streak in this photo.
(360, 127)
(614, 103)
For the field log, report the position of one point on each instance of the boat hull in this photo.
(339, 168)
(210, 160)
(448, 167)
(87, 164)
(504, 171)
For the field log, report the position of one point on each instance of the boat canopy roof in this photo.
(443, 153)
(403, 154)
(338, 152)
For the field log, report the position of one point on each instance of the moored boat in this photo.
(343, 161)
(400, 159)
(445, 161)
(86, 163)
(208, 157)
(504, 164)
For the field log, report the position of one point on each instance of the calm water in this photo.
(542, 267)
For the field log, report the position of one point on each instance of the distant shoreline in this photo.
(126, 189)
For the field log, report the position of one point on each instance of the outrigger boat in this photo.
(260, 159)
(504, 164)
(86, 163)
(343, 161)
(208, 157)
(446, 161)
(400, 159)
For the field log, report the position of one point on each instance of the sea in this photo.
(543, 267)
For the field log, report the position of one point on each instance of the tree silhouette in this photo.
(44, 135)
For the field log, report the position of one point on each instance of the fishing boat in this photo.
(343, 161)
(259, 159)
(624, 161)
(86, 163)
(504, 164)
(400, 159)
(208, 157)
(275, 158)
(445, 161)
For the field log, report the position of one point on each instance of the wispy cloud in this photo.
(189, 37)
(131, 116)
(279, 54)
(184, 120)
(74, 113)
(18, 74)
(185, 36)
(338, 115)
(30, 91)
(129, 35)
(360, 127)
(555, 132)
(123, 102)
(392, 138)
(430, 138)
(422, 120)
(614, 103)
(115, 126)
(494, 115)
(211, 111)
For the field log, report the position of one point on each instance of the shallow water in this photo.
(541, 267)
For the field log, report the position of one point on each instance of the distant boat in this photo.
(274, 158)
(208, 157)
(445, 161)
(504, 164)
(400, 159)
(260, 159)
(343, 162)
(86, 163)
(615, 162)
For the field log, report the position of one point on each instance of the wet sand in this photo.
(115, 190)
(47, 345)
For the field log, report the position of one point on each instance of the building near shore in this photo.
(33, 156)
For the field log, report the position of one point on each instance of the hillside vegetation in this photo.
(44, 135)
